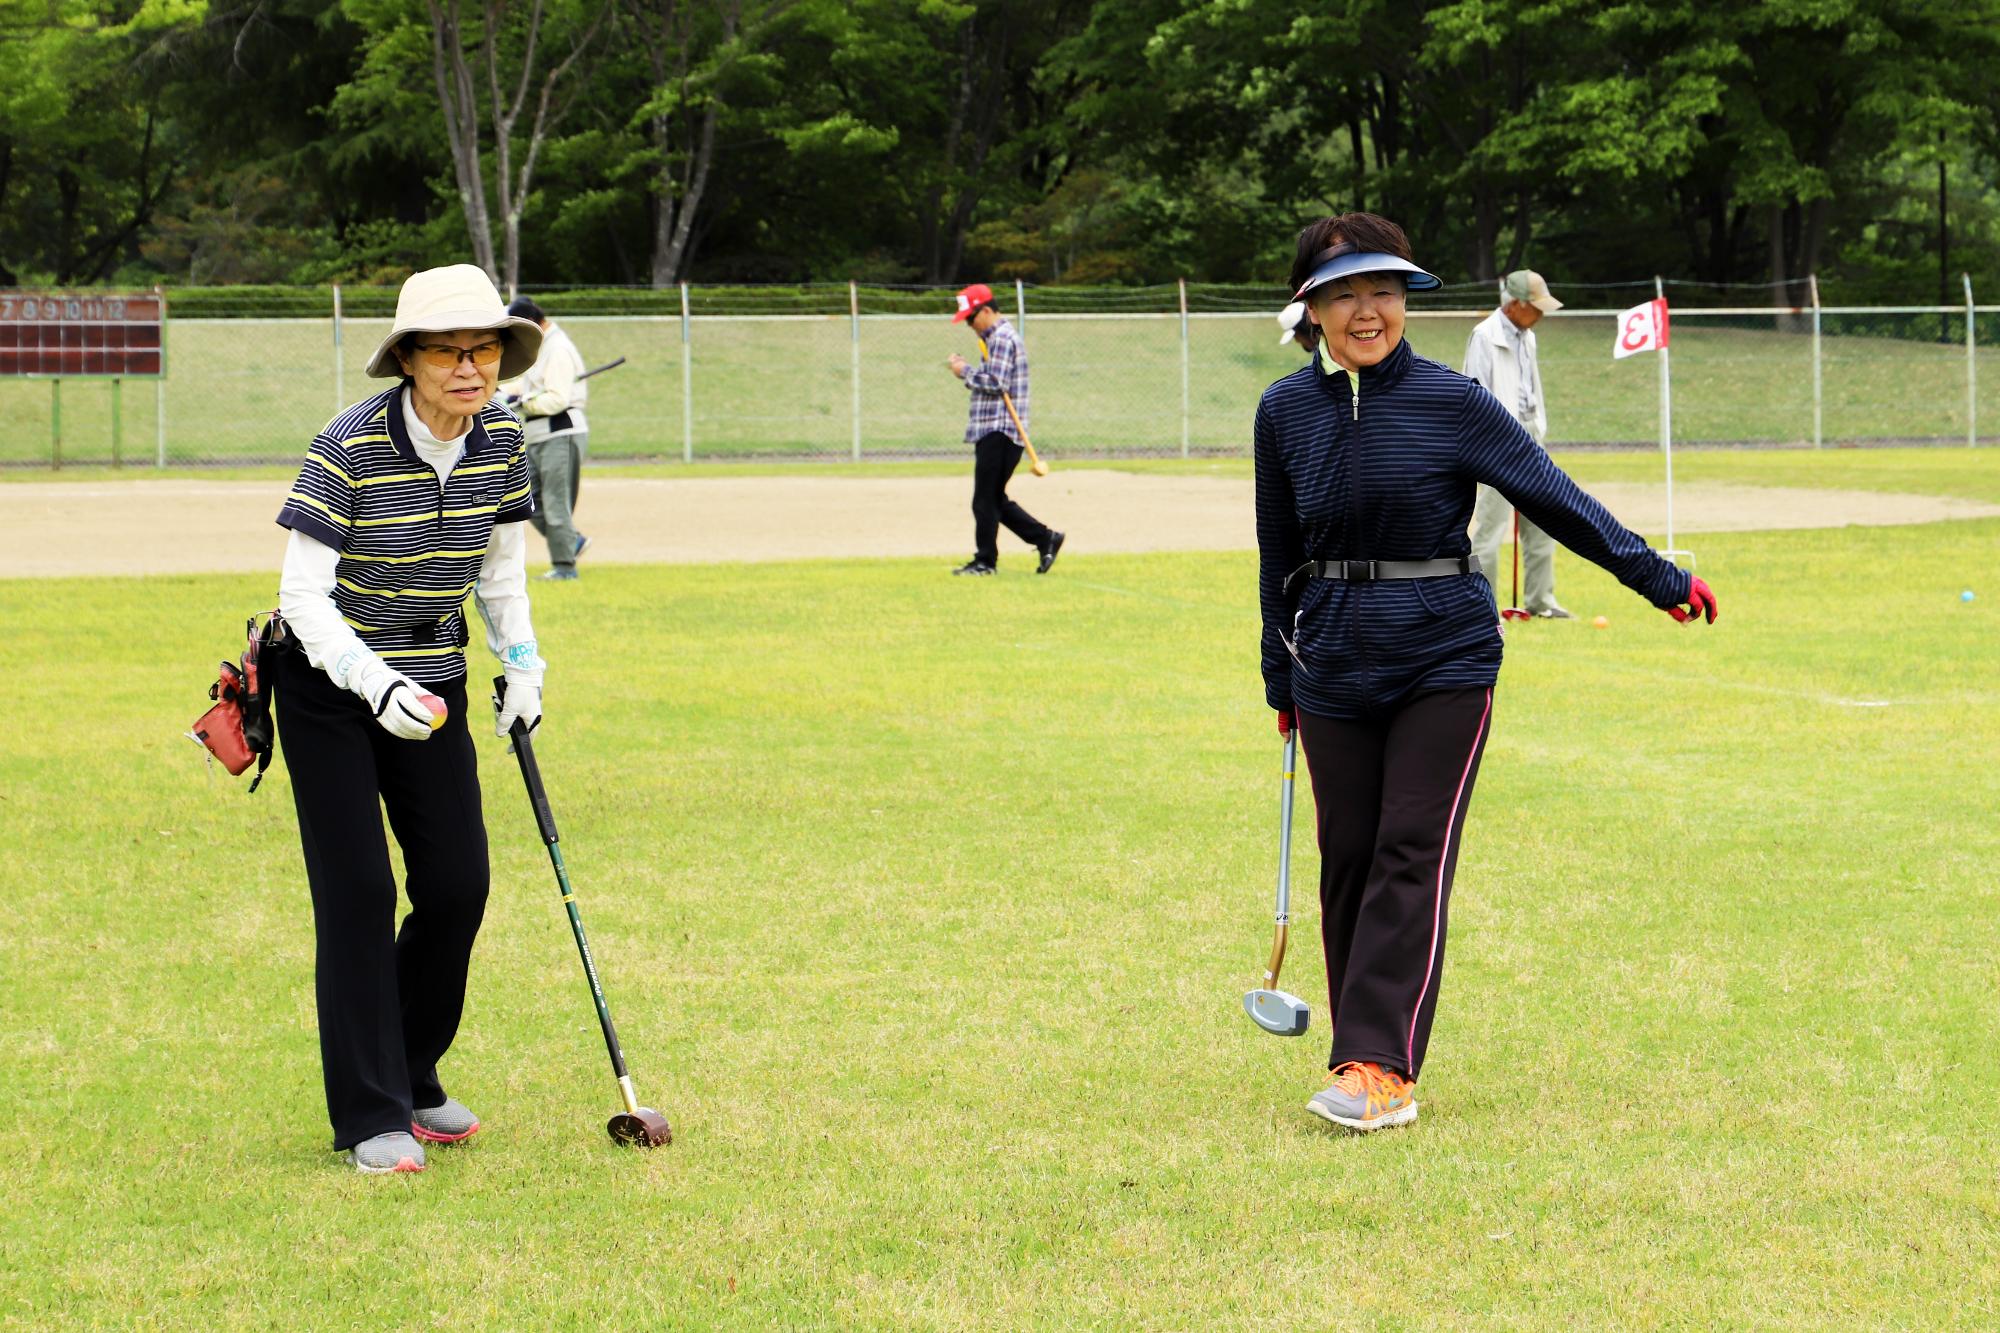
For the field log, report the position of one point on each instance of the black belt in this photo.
(1371, 571)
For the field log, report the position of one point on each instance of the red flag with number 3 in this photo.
(1643, 328)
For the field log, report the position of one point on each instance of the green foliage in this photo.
(902, 141)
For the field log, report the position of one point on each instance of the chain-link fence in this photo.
(842, 373)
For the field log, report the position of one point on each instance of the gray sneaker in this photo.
(1365, 1097)
(385, 1153)
(1552, 613)
(449, 1123)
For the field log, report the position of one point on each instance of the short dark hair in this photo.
(1365, 231)
(522, 308)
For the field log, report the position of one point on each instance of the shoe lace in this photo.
(1384, 1087)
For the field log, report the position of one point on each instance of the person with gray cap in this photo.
(1500, 354)
(405, 503)
(551, 399)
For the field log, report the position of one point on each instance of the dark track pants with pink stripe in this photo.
(1390, 793)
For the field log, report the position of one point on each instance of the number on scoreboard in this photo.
(82, 334)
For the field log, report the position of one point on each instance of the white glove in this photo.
(395, 700)
(523, 701)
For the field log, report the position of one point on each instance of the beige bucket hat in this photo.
(457, 296)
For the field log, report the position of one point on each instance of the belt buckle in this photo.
(1358, 571)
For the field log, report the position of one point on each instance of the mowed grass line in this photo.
(926, 906)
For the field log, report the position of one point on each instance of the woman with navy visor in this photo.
(1381, 638)
(406, 502)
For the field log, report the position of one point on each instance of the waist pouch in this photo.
(237, 730)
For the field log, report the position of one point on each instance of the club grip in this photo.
(531, 772)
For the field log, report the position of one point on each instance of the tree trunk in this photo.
(670, 252)
(1485, 229)
(1360, 165)
(1517, 250)
(460, 107)
(677, 200)
(933, 225)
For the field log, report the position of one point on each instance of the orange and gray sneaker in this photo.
(1363, 1095)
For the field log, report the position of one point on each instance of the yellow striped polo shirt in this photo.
(410, 546)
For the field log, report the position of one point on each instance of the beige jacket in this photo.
(1490, 358)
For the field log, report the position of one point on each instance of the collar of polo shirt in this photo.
(476, 439)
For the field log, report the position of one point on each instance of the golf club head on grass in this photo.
(1277, 1013)
(644, 1128)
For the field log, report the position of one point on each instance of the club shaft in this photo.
(545, 820)
(1286, 786)
(589, 965)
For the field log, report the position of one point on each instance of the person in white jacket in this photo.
(405, 503)
(551, 399)
(1500, 354)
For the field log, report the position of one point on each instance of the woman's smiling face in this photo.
(1361, 316)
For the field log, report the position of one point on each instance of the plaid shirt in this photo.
(1006, 370)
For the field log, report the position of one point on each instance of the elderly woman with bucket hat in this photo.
(406, 502)
(1380, 638)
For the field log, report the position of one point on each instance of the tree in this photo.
(506, 38)
(82, 127)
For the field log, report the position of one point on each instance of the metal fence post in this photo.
(117, 422)
(854, 337)
(1021, 311)
(1812, 285)
(1184, 368)
(687, 383)
(1971, 371)
(55, 422)
(160, 390)
(339, 372)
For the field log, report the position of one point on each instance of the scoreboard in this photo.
(82, 335)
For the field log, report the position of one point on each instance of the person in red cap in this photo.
(996, 428)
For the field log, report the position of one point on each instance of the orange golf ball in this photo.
(438, 710)
(1600, 623)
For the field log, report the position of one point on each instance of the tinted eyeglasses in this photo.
(446, 356)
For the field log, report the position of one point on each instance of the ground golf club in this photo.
(1270, 1008)
(637, 1126)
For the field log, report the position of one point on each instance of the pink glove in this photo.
(1285, 721)
(1700, 604)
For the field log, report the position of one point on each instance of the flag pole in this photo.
(1666, 410)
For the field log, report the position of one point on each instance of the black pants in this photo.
(994, 459)
(389, 1002)
(1391, 794)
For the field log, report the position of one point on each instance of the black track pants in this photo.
(1391, 793)
(389, 1002)
(994, 459)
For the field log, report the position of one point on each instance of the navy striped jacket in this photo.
(1393, 477)
(410, 548)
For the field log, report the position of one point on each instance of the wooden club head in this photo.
(644, 1128)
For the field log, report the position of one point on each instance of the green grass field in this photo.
(926, 910)
(248, 389)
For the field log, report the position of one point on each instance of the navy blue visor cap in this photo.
(1345, 260)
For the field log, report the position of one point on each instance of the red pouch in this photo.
(221, 727)
(237, 731)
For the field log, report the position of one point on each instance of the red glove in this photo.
(1700, 604)
(1285, 721)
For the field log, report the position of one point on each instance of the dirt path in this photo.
(192, 526)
